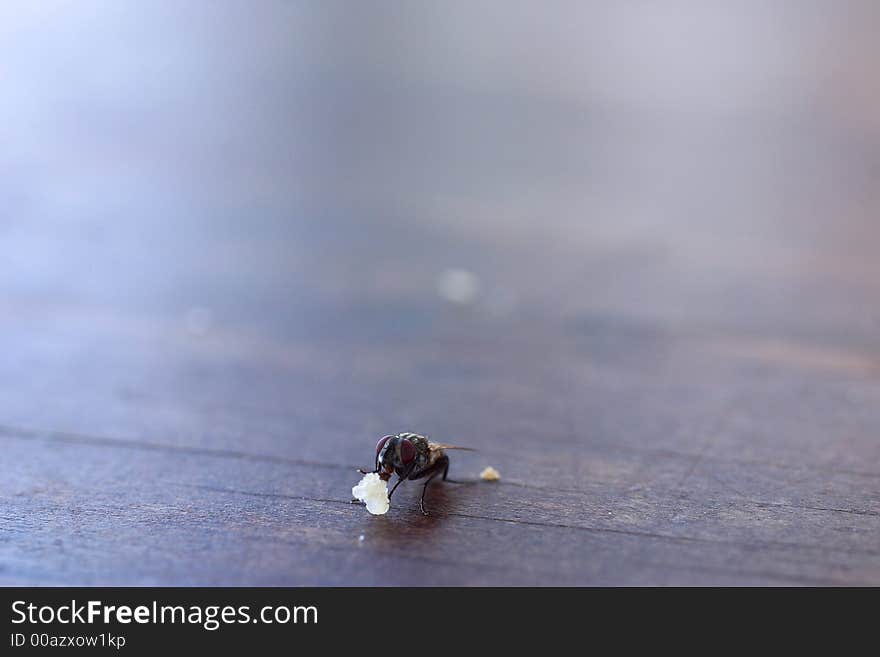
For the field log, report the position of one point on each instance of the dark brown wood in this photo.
(220, 272)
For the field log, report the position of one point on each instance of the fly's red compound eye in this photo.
(381, 444)
(407, 451)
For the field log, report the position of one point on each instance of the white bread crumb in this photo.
(490, 474)
(372, 491)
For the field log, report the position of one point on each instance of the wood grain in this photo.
(220, 287)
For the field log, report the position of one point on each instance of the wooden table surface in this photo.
(226, 238)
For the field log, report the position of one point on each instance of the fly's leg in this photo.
(425, 489)
(400, 479)
(394, 488)
(440, 467)
(375, 471)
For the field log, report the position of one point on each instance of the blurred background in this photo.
(287, 228)
(331, 145)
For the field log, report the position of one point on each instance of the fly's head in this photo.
(394, 454)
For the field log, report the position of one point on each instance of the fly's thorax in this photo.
(417, 439)
(423, 450)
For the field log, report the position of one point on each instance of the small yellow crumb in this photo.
(490, 474)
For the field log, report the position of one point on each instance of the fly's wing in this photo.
(435, 447)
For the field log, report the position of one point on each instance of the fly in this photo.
(412, 456)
